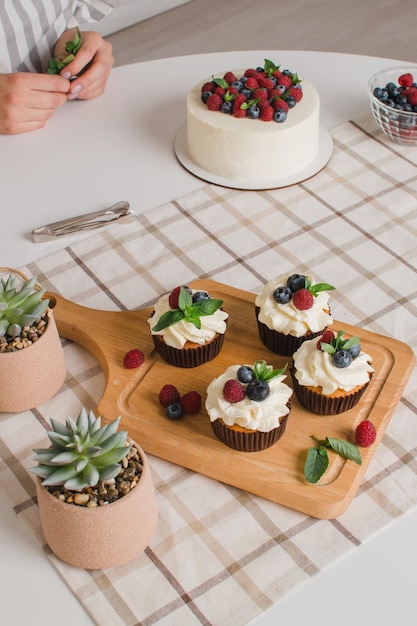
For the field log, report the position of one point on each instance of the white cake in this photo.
(252, 149)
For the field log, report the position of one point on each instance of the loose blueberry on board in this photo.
(174, 411)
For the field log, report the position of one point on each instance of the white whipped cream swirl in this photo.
(286, 318)
(314, 368)
(262, 416)
(179, 333)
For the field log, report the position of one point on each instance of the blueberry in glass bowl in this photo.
(392, 94)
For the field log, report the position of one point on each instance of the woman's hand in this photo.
(94, 52)
(28, 101)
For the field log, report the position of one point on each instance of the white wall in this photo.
(128, 12)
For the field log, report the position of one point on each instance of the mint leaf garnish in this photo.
(185, 300)
(270, 67)
(338, 343)
(321, 287)
(265, 373)
(317, 459)
(168, 319)
(315, 289)
(207, 306)
(188, 310)
(249, 103)
(220, 82)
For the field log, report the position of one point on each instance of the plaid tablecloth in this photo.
(353, 225)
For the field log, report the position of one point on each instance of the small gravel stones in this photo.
(106, 491)
(28, 335)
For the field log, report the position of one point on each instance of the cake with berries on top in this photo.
(256, 124)
(331, 373)
(290, 310)
(188, 327)
(248, 406)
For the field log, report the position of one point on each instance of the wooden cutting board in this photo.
(276, 473)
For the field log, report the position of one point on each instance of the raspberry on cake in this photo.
(226, 141)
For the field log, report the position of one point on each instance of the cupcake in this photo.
(290, 310)
(188, 327)
(249, 406)
(331, 374)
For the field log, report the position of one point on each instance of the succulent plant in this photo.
(83, 453)
(71, 47)
(19, 307)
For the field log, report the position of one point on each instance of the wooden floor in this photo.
(383, 29)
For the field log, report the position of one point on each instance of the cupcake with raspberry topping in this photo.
(249, 406)
(290, 310)
(188, 327)
(331, 374)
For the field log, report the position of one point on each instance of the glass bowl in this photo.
(399, 125)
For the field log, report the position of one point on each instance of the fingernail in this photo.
(66, 75)
(74, 92)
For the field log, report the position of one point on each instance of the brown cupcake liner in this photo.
(251, 440)
(325, 405)
(285, 345)
(188, 357)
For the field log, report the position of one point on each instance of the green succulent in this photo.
(264, 372)
(19, 308)
(57, 63)
(83, 453)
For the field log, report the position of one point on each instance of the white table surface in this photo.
(120, 147)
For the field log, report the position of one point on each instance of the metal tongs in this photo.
(119, 212)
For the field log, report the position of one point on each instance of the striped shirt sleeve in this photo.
(29, 29)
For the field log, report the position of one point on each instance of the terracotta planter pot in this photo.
(31, 376)
(105, 536)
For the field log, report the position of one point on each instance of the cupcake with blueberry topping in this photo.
(331, 374)
(290, 310)
(249, 406)
(188, 327)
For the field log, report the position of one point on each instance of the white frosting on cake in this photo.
(179, 333)
(314, 368)
(262, 416)
(286, 318)
(248, 149)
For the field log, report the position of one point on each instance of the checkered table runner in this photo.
(353, 225)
